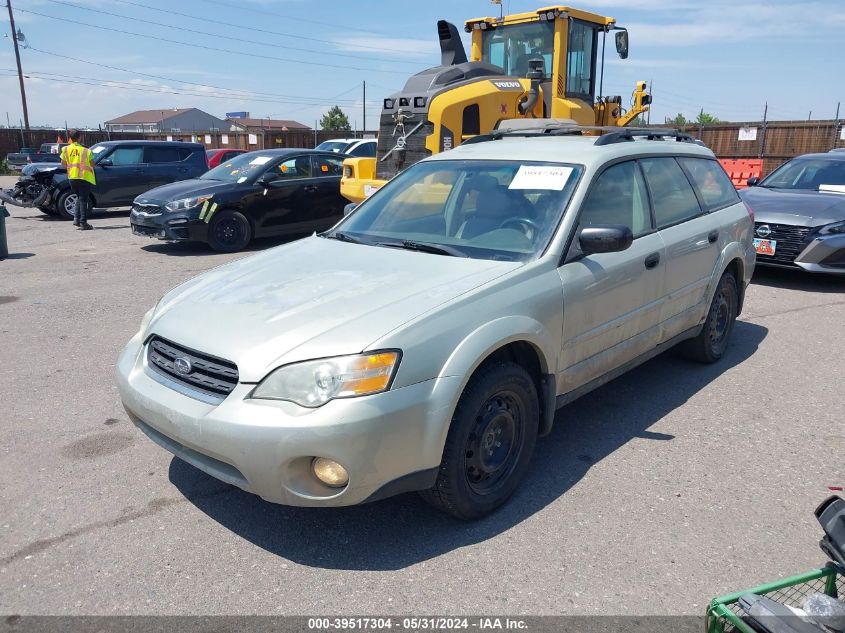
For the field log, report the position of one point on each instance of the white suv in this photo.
(426, 341)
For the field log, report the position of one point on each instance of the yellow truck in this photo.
(541, 64)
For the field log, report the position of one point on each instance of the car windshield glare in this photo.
(240, 168)
(807, 173)
(485, 209)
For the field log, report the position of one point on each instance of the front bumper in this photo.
(390, 442)
(824, 254)
(172, 227)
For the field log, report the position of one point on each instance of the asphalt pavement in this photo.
(661, 490)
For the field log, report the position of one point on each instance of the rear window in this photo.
(712, 182)
(165, 154)
(672, 197)
(364, 149)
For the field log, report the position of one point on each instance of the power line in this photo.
(220, 35)
(208, 48)
(122, 85)
(249, 93)
(256, 29)
(345, 27)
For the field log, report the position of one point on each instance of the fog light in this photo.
(330, 472)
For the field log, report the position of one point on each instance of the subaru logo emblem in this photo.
(764, 230)
(183, 365)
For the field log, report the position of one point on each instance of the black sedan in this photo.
(259, 194)
(799, 213)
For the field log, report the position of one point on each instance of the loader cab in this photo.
(566, 39)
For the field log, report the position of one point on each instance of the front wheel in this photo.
(47, 210)
(66, 205)
(490, 442)
(710, 344)
(229, 232)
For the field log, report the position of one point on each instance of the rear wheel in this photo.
(66, 205)
(710, 344)
(490, 442)
(229, 231)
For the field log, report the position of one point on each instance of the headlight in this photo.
(837, 228)
(186, 203)
(313, 383)
(145, 321)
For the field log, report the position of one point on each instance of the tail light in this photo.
(347, 171)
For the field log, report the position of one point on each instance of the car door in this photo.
(611, 301)
(164, 165)
(692, 240)
(325, 204)
(123, 178)
(282, 205)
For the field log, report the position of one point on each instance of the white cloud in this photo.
(403, 47)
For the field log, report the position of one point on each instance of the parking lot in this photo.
(664, 488)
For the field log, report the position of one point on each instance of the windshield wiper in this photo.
(343, 237)
(425, 247)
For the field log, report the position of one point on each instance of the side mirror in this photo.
(106, 162)
(753, 182)
(622, 44)
(349, 208)
(605, 238)
(266, 180)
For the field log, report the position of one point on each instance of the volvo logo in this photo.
(764, 230)
(182, 365)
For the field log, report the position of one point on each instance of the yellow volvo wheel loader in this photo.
(541, 64)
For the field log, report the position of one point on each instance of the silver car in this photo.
(426, 341)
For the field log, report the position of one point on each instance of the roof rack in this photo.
(563, 127)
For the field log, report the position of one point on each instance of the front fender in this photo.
(483, 341)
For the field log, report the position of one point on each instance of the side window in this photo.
(328, 166)
(299, 167)
(672, 195)
(712, 182)
(161, 155)
(185, 153)
(364, 149)
(127, 156)
(618, 197)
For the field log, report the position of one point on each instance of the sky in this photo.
(88, 61)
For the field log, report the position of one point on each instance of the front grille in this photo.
(415, 149)
(149, 209)
(145, 230)
(790, 239)
(207, 374)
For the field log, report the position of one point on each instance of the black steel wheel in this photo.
(490, 442)
(229, 231)
(710, 344)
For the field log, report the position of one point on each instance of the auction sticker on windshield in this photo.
(541, 177)
(260, 160)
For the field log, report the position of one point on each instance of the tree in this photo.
(335, 120)
(704, 118)
(680, 120)
(637, 121)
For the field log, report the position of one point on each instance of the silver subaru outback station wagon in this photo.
(425, 342)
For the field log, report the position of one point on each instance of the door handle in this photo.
(712, 236)
(652, 260)
(310, 189)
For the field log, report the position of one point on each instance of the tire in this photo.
(229, 232)
(47, 210)
(710, 344)
(490, 442)
(65, 205)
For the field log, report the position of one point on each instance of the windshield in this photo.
(512, 46)
(807, 173)
(484, 209)
(333, 146)
(240, 168)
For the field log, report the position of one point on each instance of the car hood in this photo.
(800, 208)
(310, 299)
(183, 189)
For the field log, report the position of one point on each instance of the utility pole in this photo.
(651, 92)
(763, 135)
(20, 70)
(365, 110)
(835, 125)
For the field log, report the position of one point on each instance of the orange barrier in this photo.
(741, 169)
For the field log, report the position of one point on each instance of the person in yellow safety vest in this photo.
(79, 162)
